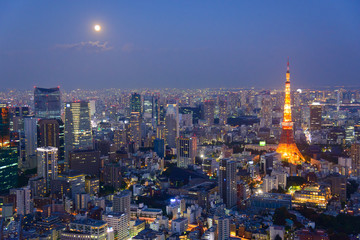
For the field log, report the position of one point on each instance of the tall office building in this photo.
(24, 203)
(78, 132)
(209, 111)
(8, 153)
(30, 142)
(223, 111)
(51, 134)
(47, 158)
(186, 151)
(85, 161)
(227, 182)
(134, 129)
(121, 203)
(47, 102)
(171, 125)
(266, 111)
(135, 103)
(355, 158)
(159, 147)
(315, 116)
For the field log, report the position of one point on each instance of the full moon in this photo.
(97, 28)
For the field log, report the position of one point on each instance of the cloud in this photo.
(95, 46)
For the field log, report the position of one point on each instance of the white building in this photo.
(47, 162)
(118, 222)
(24, 203)
(179, 225)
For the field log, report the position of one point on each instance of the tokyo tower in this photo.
(287, 146)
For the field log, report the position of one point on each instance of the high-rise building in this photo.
(78, 132)
(112, 175)
(209, 111)
(47, 102)
(315, 116)
(223, 111)
(30, 141)
(23, 201)
(135, 103)
(355, 158)
(171, 125)
(85, 161)
(159, 147)
(8, 153)
(186, 151)
(223, 228)
(121, 203)
(287, 146)
(266, 111)
(47, 164)
(227, 182)
(134, 129)
(51, 134)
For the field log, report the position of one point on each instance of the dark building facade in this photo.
(47, 102)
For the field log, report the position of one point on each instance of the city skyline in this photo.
(178, 45)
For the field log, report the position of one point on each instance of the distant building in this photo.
(118, 222)
(78, 132)
(8, 153)
(209, 112)
(121, 203)
(315, 116)
(270, 201)
(186, 151)
(179, 225)
(159, 147)
(134, 129)
(86, 229)
(227, 182)
(172, 125)
(51, 134)
(85, 161)
(47, 158)
(135, 103)
(223, 228)
(47, 102)
(24, 203)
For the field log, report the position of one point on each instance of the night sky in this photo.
(182, 44)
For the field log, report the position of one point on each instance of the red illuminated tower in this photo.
(287, 146)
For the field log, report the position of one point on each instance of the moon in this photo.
(97, 28)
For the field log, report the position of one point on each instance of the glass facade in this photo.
(47, 102)
(8, 153)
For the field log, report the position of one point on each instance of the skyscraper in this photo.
(223, 111)
(171, 125)
(51, 133)
(47, 102)
(266, 111)
(223, 228)
(209, 111)
(186, 151)
(287, 146)
(134, 129)
(135, 103)
(8, 153)
(227, 182)
(78, 132)
(30, 141)
(315, 116)
(47, 158)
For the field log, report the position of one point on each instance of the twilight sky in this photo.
(185, 44)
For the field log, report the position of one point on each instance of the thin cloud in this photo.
(95, 46)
